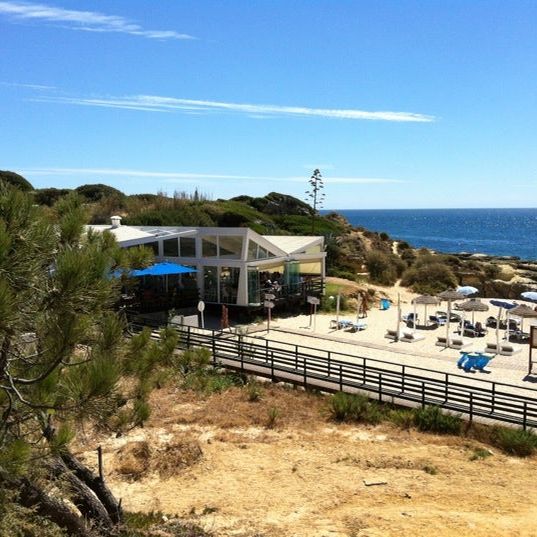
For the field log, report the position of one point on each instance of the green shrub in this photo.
(430, 469)
(429, 278)
(431, 419)
(253, 391)
(272, 416)
(402, 417)
(480, 454)
(347, 407)
(381, 268)
(515, 441)
(16, 180)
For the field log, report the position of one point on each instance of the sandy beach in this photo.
(372, 343)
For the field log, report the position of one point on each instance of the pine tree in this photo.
(63, 354)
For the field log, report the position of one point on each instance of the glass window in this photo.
(230, 247)
(208, 246)
(188, 246)
(252, 249)
(262, 253)
(210, 284)
(171, 248)
(253, 286)
(229, 284)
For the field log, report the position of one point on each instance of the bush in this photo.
(253, 391)
(515, 441)
(431, 419)
(381, 268)
(272, 415)
(97, 192)
(49, 196)
(16, 180)
(346, 407)
(429, 278)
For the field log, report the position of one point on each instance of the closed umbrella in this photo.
(426, 300)
(450, 295)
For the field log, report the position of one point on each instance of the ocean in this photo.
(502, 232)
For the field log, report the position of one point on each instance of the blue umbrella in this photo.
(506, 306)
(467, 290)
(530, 295)
(163, 269)
(503, 304)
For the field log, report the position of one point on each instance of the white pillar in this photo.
(242, 291)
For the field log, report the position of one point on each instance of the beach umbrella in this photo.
(467, 290)
(425, 300)
(473, 305)
(450, 295)
(523, 311)
(530, 295)
(502, 305)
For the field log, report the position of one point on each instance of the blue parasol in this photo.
(530, 295)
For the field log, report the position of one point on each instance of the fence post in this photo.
(188, 337)
(241, 353)
(493, 397)
(363, 373)
(329, 354)
(340, 377)
(213, 343)
(267, 350)
(471, 406)
(296, 357)
(423, 395)
(380, 386)
(305, 373)
(403, 372)
(525, 415)
(272, 365)
(446, 388)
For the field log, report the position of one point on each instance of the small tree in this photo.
(316, 195)
(63, 357)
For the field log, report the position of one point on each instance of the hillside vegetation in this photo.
(353, 253)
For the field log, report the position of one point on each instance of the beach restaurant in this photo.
(234, 266)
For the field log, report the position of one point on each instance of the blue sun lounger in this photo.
(482, 362)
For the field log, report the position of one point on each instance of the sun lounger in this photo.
(508, 350)
(470, 363)
(441, 341)
(409, 337)
(491, 348)
(391, 334)
(458, 343)
(357, 327)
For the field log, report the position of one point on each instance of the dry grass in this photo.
(132, 460)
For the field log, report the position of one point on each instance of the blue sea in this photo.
(503, 232)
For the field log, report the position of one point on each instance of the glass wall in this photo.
(153, 246)
(209, 246)
(171, 248)
(230, 247)
(210, 284)
(253, 286)
(229, 284)
(188, 246)
(255, 251)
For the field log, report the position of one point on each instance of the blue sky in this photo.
(401, 104)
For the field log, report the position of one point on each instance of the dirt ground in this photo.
(278, 467)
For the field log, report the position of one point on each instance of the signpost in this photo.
(314, 301)
(201, 309)
(533, 345)
(269, 305)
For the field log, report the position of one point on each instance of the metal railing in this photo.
(387, 381)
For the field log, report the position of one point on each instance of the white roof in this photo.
(124, 233)
(292, 244)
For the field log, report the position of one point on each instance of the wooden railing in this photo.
(386, 381)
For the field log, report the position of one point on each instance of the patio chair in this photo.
(357, 327)
(482, 362)
(492, 348)
(470, 363)
(441, 341)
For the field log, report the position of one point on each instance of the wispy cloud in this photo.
(40, 87)
(182, 177)
(89, 21)
(155, 103)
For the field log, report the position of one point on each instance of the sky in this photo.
(400, 104)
